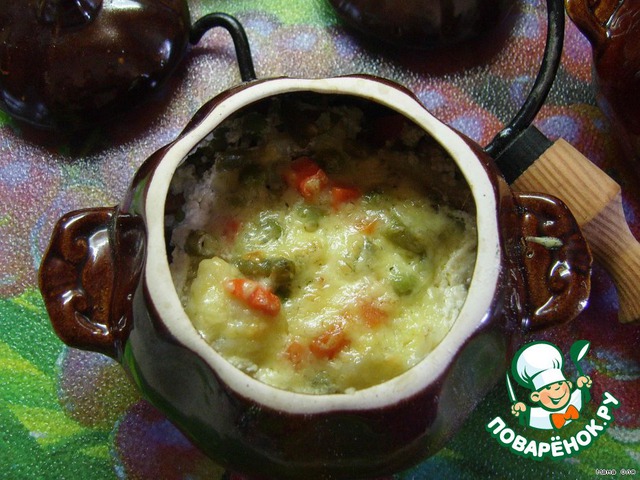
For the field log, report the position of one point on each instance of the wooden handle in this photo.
(595, 201)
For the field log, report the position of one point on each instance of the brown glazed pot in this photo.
(66, 65)
(422, 23)
(613, 29)
(107, 286)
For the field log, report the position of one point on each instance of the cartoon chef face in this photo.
(553, 397)
(538, 367)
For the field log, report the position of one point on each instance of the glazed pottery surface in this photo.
(107, 286)
(613, 29)
(422, 23)
(67, 65)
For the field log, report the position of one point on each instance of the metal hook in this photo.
(238, 35)
(542, 85)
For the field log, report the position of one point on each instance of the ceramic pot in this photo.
(422, 23)
(613, 29)
(67, 65)
(107, 286)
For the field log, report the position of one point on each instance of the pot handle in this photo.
(88, 276)
(238, 35)
(586, 14)
(556, 261)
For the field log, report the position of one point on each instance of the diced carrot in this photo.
(306, 177)
(341, 195)
(330, 342)
(254, 295)
(264, 301)
(295, 353)
(235, 287)
(311, 187)
(372, 315)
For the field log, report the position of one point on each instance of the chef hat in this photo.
(537, 365)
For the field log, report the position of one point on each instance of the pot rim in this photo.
(475, 310)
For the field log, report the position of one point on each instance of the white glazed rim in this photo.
(482, 288)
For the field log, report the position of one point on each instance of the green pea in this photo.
(398, 233)
(282, 272)
(279, 270)
(264, 230)
(270, 230)
(402, 282)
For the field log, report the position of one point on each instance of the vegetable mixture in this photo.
(321, 246)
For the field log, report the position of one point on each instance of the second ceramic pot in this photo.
(613, 29)
(423, 24)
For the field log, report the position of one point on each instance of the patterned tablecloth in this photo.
(70, 414)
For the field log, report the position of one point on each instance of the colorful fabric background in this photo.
(68, 414)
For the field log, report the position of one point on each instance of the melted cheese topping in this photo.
(322, 272)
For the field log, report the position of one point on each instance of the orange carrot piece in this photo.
(330, 342)
(341, 195)
(254, 295)
(306, 177)
(372, 315)
(295, 353)
(310, 187)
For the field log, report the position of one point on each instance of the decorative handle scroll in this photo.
(556, 260)
(591, 18)
(595, 200)
(82, 278)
